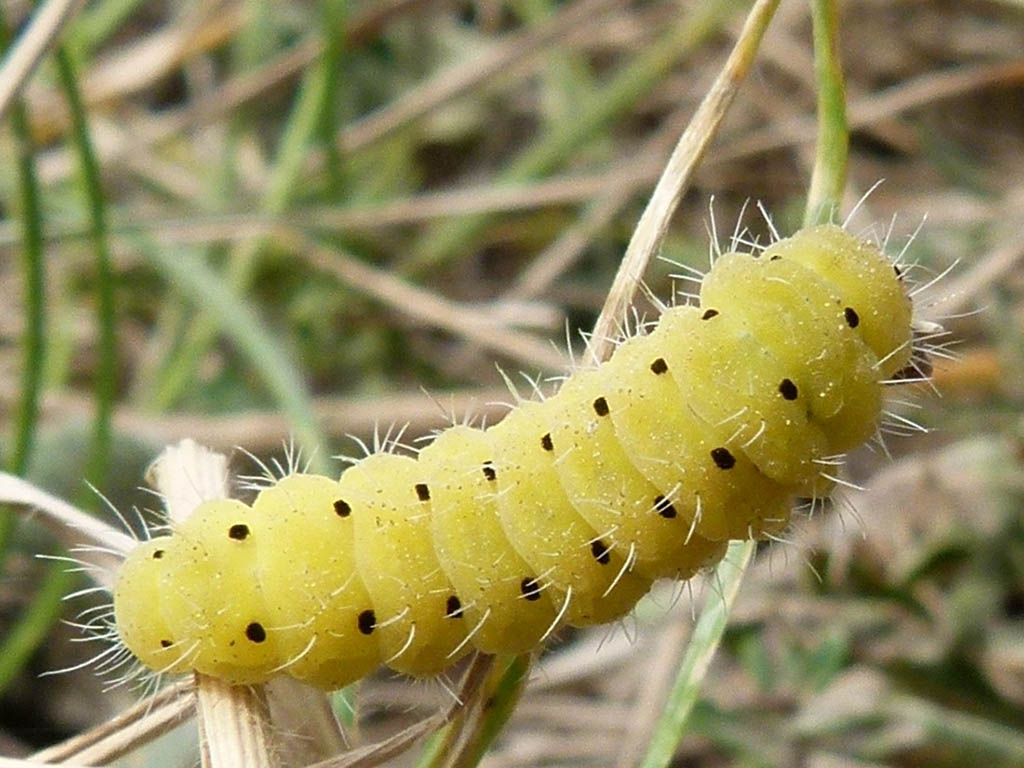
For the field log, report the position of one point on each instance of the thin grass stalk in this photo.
(494, 709)
(106, 369)
(469, 692)
(139, 724)
(828, 179)
(707, 634)
(34, 270)
(650, 231)
(47, 604)
(26, 634)
(335, 14)
(440, 743)
(471, 731)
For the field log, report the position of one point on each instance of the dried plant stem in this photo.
(489, 714)
(465, 75)
(375, 754)
(654, 223)
(234, 725)
(618, 189)
(425, 306)
(24, 56)
(71, 523)
(131, 729)
(263, 430)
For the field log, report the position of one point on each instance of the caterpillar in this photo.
(702, 430)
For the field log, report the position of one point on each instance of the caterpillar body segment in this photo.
(313, 612)
(733, 380)
(212, 555)
(702, 431)
(489, 576)
(589, 578)
(136, 594)
(874, 303)
(715, 489)
(797, 315)
(417, 624)
(612, 495)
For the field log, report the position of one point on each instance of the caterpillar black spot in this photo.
(704, 430)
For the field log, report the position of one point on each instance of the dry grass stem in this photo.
(140, 724)
(137, 67)
(260, 431)
(304, 722)
(376, 754)
(463, 201)
(25, 54)
(650, 230)
(70, 523)
(561, 254)
(875, 108)
(234, 725)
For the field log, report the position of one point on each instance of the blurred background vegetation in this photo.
(294, 217)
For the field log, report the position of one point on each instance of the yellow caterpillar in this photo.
(704, 430)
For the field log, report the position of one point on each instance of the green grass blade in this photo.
(34, 274)
(32, 626)
(464, 741)
(707, 634)
(30, 216)
(508, 682)
(334, 17)
(106, 373)
(829, 177)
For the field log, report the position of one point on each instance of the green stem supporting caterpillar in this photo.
(703, 430)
